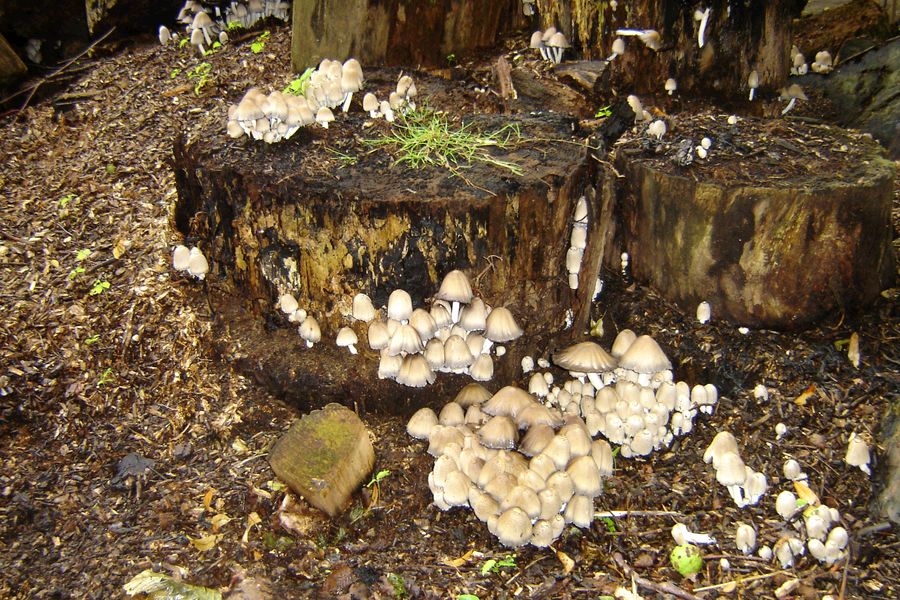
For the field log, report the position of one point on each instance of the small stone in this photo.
(324, 457)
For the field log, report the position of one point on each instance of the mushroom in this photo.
(537, 43)
(657, 129)
(455, 288)
(646, 358)
(309, 331)
(421, 423)
(745, 538)
(473, 317)
(371, 105)
(399, 306)
(405, 341)
(164, 35)
(203, 23)
(363, 309)
(471, 394)
(378, 335)
(536, 439)
(508, 401)
(513, 527)
(618, 49)
(324, 116)
(197, 264)
(500, 326)
(181, 257)
(786, 504)
(858, 453)
(682, 535)
(703, 17)
(650, 37)
(753, 83)
(414, 371)
(704, 311)
(791, 93)
(452, 414)
(780, 430)
(499, 432)
(792, 470)
(557, 45)
(288, 304)
(823, 63)
(587, 358)
(635, 103)
(731, 472)
(346, 338)
(585, 476)
(721, 444)
(671, 85)
(580, 511)
(622, 343)
(754, 486)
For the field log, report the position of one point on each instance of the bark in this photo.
(396, 32)
(740, 37)
(11, 66)
(129, 17)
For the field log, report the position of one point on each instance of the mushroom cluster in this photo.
(271, 118)
(823, 63)
(191, 261)
(577, 242)
(819, 526)
(745, 485)
(551, 43)
(400, 100)
(307, 325)
(203, 28)
(524, 469)
(333, 84)
(455, 335)
(798, 62)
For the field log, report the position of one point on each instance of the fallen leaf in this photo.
(219, 521)
(119, 249)
(207, 499)
(567, 562)
(805, 493)
(458, 562)
(801, 399)
(163, 587)
(207, 542)
(252, 519)
(239, 446)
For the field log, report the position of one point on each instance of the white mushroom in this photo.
(346, 338)
(858, 453)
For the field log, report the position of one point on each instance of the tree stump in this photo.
(292, 217)
(781, 225)
(739, 38)
(395, 32)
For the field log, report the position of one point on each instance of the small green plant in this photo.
(110, 169)
(378, 477)
(425, 138)
(493, 566)
(467, 597)
(234, 25)
(184, 42)
(64, 201)
(399, 585)
(451, 59)
(216, 46)
(174, 73)
(603, 112)
(92, 340)
(610, 524)
(99, 286)
(276, 543)
(105, 377)
(200, 74)
(297, 87)
(78, 269)
(259, 44)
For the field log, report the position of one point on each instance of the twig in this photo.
(661, 588)
(738, 580)
(65, 65)
(883, 526)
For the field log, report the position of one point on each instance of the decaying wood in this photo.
(502, 72)
(396, 32)
(829, 30)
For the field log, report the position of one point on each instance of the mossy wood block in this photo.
(324, 457)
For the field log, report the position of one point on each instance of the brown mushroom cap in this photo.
(585, 476)
(536, 439)
(525, 498)
(580, 511)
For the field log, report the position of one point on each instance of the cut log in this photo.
(292, 218)
(781, 225)
(396, 33)
(11, 66)
(738, 38)
(132, 17)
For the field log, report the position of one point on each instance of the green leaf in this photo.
(610, 524)
(378, 477)
(93, 339)
(100, 286)
(488, 566)
(82, 254)
(603, 112)
(467, 597)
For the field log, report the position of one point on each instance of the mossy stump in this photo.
(295, 218)
(782, 225)
(324, 457)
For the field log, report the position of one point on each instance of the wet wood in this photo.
(740, 37)
(11, 66)
(270, 227)
(830, 29)
(779, 238)
(395, 32)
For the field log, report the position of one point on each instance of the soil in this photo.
(92, 373)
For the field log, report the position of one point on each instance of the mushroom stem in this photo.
(454, 312)
(701, 33)
(595, 380)
(752, 93)
(789, 106)
(737, 495)
(352, 348)
(346, 106)
(206, 37)
(309, 344)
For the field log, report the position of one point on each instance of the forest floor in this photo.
(106, 353)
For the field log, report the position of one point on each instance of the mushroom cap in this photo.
(745, 538)
(346, 337)
(786, 504)
(405, 340)
(548, 33)
(482, 368)
(482, 503)
(378, 335)
(499, 432)
(434, 353)
(363, 309)
(537, 40)
(585, 476)
(309, 329)
(500, 326)
(622, 342)
(542, 533)
(514, 527)
(456, 353)
(601, 452)
(471, 394)
(731, 470)
(370, 102)
(618, 46)
(671, 85)
(421, 423)
(455, 287)
(793, 91)
(351, 81)
(857, 451)
(414, 371)
(389, 366)
(456, 489)
(441, 315)
(181, 256)
(422, 321)
(201, 20)
(579, 438)
(537, 414)
(585, 357)
(275, 106)
(197, 37)
(645, 356)
(508, 401)
(753, 80)
(452, 414)
(474, 316)
(324, 115)
(399, 305)
(248, 108)
(441, 436)
(536, 439)
(197, 263)
(721, 444)
(558, 40)
(525, 498)
(580, 511)
(403, 84)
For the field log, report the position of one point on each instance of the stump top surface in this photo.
(346, 161)
(774, 153)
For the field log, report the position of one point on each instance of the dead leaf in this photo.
(219, 521)
(207, 499)
(567, 562)
(801, 399)
(805, 493)
(252, 519)
(207, 542)
(119, 249)
(853, 350)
